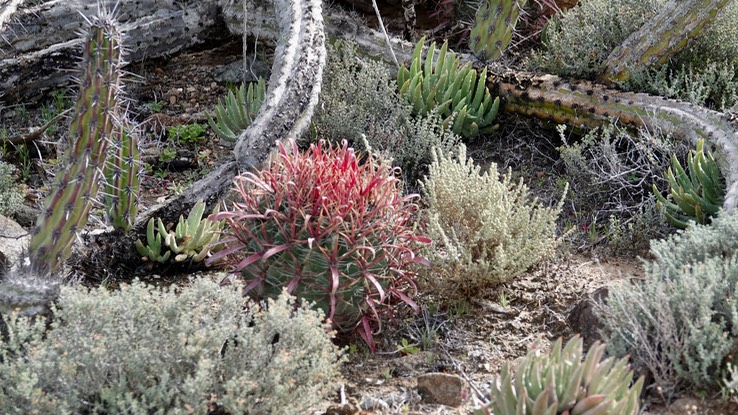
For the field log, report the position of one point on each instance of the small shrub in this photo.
(490, 229)
(563, 380)
(329, 229)
(11, 195)
(144, 350)
(680, 321)
(612, 174)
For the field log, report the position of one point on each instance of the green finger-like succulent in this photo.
(152, 251)
(696, 193)
(457, 94)
(565, 382)
(238, 110)
(494, 24)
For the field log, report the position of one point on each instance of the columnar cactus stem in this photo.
(94, 121)
(661, 37)
(123, 175)
(588, 104)
(494, 24)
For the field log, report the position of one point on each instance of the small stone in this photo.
(582, 318)
(344, 409)
(374, 404)
(13, 240)
(442, 388)
(172, 100)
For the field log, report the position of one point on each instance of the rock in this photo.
(233, 72)
(374, 404)
(442, 388)
(13, 241)
(343, 409)
(582, 318)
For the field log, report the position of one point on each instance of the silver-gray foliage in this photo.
(681, 321)
(11, 196)
(144, 350)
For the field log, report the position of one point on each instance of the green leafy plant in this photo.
(487, 230)
(187, 133)
(493, 28)
(330, 229)
(696, 193)
(456, 94)
(193, 238)
(155, 106)
(167, 154)
(194, 348)
(565, 382)
(238, 110)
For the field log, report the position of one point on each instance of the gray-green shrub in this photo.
(145, 350)
(11, 196)
(611, 172)
(486, 229)
(681, 321)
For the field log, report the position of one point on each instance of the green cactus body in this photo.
(494, 24)
(565, 382)
(661, 37)
(696, 193)
(123, 175)
(458, 95)
(94, 121)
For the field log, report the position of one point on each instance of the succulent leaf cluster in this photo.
(238, 110)
(329, 228)
(565, 382)
(457, 94)
(493, 28)
(192, 238)
(697, 193)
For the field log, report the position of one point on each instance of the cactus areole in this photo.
(331, 230)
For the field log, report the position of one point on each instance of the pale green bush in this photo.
(681, 321)
(144, 350)
(11, 196)
(488, 228)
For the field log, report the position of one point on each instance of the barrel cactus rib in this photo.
(94, 121)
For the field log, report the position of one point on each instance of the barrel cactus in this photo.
(331, 230)
(564, 383)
